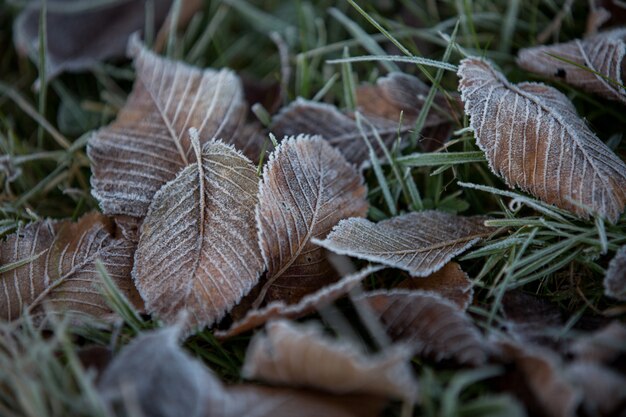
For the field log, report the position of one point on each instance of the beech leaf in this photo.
(197, 245)
(450, 282)
(420, 242)
(615, 278)
(147, 144)
(533, 138)
(429, 324)
(307, 187)
(60, 271)
(308, 304)
(301, 355)
(599, 59)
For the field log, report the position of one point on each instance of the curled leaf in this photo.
(533, 138)
(197, 246)
(307, 187)
(429, 324)
(301, 355)
(147, 144)
(420, 243)
(615, 278)
(52, 264)
(595, 64)
(308, 304)
(450, 282)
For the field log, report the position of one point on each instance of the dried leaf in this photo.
(59, 272)
(147, 145)
(307, 305)
(596, 57)
(429, 324)
(602, 388)
(602, 346)
(450, 282)
(301, 355)
(533, 138)
(197, 246)
(307, 187)
(420, 242)
(79, 36)
(615, 278)
(539, 373)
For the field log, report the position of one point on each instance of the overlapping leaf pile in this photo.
(191, 233)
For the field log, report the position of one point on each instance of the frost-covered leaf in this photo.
(598, 57)
(450, 282)
(429, 324)
(420, 242)
(308, 304)
(307, 187)
(54, 267)
(533, 138)
(301, 355)
(539, 372)
(197, 245)
(147, 144)
(602, 346)
(82, 34)
(603, 390)
(615, 278)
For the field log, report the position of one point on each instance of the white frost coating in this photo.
(302, 355)
(197, 247)
(148, 144)
(533, 138)
(602, 53)
(420, 243)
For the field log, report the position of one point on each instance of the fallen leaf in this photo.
(307, 187)
(530, 319)
(603, 392)
(602, 346)
(539, 372)
(615, 278)
(533, 138)
(147, 144)
(197, 245)
(308, 304)
(450, 282)
(598, 59)
(429, 324)
(301, 355)
(80, 35)
(56, 267)
(420, 242)
(153, 376)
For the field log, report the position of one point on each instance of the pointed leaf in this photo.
(307, 188)
(533, 138)
(615, 278)
(429, 324)
(147, 144)
(450, 282)
(597, 58)
(420, 243)
(61, 273)
(301, 355)
(197, 246)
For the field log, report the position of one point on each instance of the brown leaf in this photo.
(538, 372)
(308, 304)
(615, 278)
(301, 355)
(420, 242)
(597, 57)
(147, 145)
(450, 282)
(59, 270)
(307, 187)
(197, 246)
(603, 392)
(429, 324)
(81, 35)
(533, 138)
